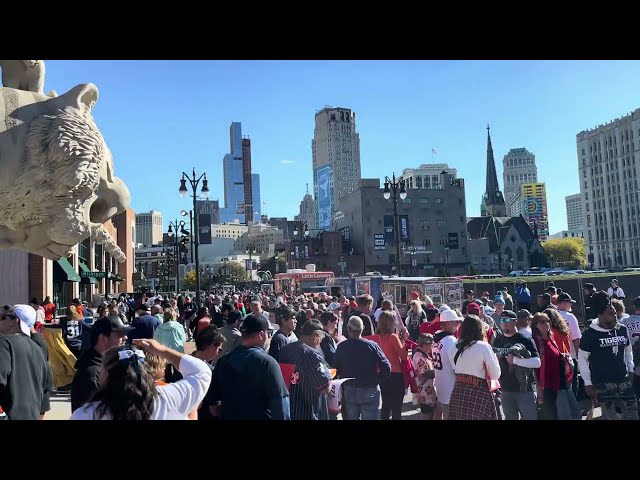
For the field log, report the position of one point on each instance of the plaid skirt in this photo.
(471, 399)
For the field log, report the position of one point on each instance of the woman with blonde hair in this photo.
(550, 333)
(415, 317)
(391, 388)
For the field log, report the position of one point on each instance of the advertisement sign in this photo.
(306, 251)
(404, 228)
(324, 185)
(378, 240)
(534, 208)
(453, 241)
(248, 264)
(388, 229)
(416, 250)
(362, 287)
(297, 251)
(204, 225)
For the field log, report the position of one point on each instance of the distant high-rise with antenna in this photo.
(307, 210)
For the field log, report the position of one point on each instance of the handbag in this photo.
(409, 375)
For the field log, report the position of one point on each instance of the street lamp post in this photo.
(184, 214)
(304, 234)
(194, 182)
(174, 226)
(391, 185)
(251, 249)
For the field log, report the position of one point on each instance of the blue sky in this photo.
(162, 117)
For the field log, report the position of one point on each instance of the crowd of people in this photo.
(279, 356)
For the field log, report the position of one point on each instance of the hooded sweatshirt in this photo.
(605, 355)
(171, 334)
(87, 378)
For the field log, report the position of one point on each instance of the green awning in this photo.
(84, 268)
(70, 274)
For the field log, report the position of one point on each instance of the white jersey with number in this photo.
(445, 373)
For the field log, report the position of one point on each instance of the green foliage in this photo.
(568, 252)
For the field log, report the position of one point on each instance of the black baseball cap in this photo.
(565, 297)
(588, 285)
(524, 313)
(106, 325)
(636, 302)
(144, 307)
(508, 314)
(254, 324)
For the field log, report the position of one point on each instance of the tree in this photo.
(188, 282)
(270, 265)
(442, 272)
(237, 272)
(568, 252)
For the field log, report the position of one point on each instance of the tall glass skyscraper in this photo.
(239, 202)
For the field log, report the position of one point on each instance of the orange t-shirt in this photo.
(392, 348)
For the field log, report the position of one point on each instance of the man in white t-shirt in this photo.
(632, 322)
(615, 291)
(443, 341)
(565, 302)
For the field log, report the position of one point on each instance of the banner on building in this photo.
(404, 228)
(388, 229)
(453, 241)
(204, 225)
(306, 251)
(324, 194)
(297, 251)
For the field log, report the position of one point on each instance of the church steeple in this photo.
(493, 198)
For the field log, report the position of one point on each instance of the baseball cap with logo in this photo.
(27, 316)
(565, 297)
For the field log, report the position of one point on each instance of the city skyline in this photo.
(406, 110)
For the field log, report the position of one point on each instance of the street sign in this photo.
(418, 249)
(379, 247)
(94, 274)
(379, 242)
(378, 236)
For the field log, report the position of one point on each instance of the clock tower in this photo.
(493, 201)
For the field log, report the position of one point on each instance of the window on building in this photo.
(425, 224)
(442, 223)
(424, 201)
(438, 201)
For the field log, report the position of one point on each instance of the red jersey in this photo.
(429, 327)
(49, 312)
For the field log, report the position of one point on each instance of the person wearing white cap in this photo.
(443, 342)
(25, 375)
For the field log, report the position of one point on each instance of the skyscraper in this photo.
(574, 212)
(149, 228)
(493, 201)
(240, 184)
(608, 171)
(336, 161)
(519, 167)
(307, 211)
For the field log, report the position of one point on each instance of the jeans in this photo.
(361, 403)
(523, 403)
(560, 405)
(621, 395)
(392, 390)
